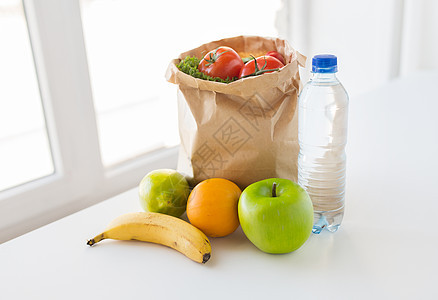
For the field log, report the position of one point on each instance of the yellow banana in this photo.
(160, 229)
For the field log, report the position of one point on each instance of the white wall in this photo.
(375, 40)
(420, 36)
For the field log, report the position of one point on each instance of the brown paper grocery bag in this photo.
(243, 131)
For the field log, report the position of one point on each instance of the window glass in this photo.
(129, 45)
(24, 148)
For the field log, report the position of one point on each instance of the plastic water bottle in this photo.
(322, 135)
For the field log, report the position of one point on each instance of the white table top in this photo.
(386, 247)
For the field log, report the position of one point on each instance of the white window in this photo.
(93, 86)
(25, 151)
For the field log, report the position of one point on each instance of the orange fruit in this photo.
(212, 207)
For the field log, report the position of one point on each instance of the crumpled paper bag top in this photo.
(244, 45)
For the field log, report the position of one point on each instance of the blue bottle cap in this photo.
(325, 63)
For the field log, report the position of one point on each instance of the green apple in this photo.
(164, 191)
(276, 215)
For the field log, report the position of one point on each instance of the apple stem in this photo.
(274, 190)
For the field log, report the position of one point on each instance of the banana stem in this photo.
(96, 239)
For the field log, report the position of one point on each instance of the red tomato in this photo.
(222, 62)
(277, 56)
(265, 64)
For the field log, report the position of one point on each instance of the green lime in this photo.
(164, 191)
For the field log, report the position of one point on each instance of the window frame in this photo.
(80, 179)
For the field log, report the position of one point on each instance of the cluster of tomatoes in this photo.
(225, 62)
